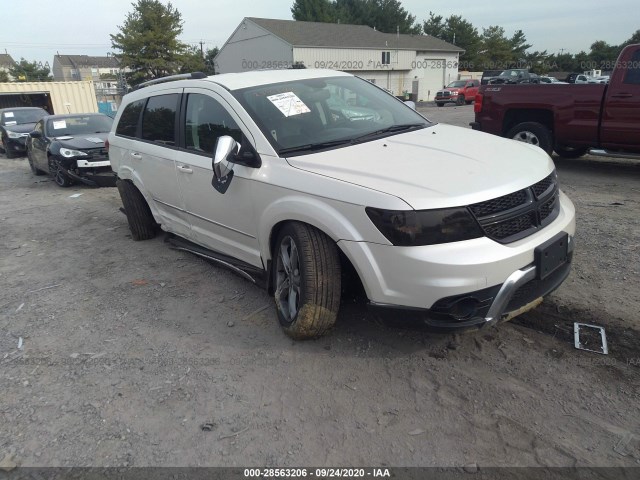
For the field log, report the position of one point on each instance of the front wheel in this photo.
(440, 104)
(306, 278)
(7, 152)
(570, 152)
(532, 133)
(61, 178)
(460, 100)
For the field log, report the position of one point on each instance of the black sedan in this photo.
(71, 148)
(15, 125)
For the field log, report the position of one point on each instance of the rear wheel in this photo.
(34, 169)
(306, 277)
(570, 152)
(141, 222)
(533, 133)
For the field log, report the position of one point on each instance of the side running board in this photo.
(254, 274)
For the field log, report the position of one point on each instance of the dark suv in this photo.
(15, 125)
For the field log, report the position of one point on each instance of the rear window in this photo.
(632, 75)
(159, 119)
(128, 124)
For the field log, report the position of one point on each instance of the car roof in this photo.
(15, 109)
(74, 115)
(236, 81)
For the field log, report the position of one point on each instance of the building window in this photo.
(386, 58)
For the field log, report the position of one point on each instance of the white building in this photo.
(419, 64)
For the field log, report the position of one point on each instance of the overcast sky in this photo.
(37, 29)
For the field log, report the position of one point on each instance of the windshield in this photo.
(457, 84)
(80, 125)
(305, 115)
(19, 117)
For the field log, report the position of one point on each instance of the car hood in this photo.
(83, 142)
(21, 128)
(450, 89)
(436, 167)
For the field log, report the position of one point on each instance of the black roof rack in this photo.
(171, 78)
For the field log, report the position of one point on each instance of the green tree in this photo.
(635, 38)
(25, 71)
(519, 45)
(148, 42)
(436, 26)
(192, 60)
(384, 15)
(313, 11)
(209, 64)
(458, 31)
(4, 76)
(495, 51)
(603, 54)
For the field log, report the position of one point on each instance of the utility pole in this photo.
(202, 49)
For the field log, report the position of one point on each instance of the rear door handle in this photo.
(622, 95)
(184, 169)
(135, 155)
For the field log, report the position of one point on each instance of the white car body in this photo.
(432, 168)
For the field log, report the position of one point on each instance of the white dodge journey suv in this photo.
(292, 177)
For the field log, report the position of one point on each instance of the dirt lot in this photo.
(130, 348)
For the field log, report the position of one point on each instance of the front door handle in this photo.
(184, 169)
(135, 155)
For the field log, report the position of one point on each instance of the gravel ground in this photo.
(133, 354)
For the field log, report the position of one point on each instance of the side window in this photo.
(159, 119)
(206, 121)
(632, 75)
(128, 124)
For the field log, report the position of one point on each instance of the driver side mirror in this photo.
(35, 134)
(226, 149)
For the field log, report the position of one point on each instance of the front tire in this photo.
(533, 133)
(61, 178)
(32, 165)
(440, 104)
(141, 222)
(306, 278)
(460, 100)
(570, 152)
(8, 153)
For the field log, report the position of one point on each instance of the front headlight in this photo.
(406, 228)
(11, 134)
(68, 153)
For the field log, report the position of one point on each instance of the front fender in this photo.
(338, 220)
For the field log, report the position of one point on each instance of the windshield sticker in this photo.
(57, 125)
(94, 140)
(11, 123)
(289, 104)
(8, 114)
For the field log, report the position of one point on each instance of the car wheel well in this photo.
(515, 116)
(352, 286)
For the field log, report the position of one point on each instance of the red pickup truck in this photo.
(458, 92)
(569, 119)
